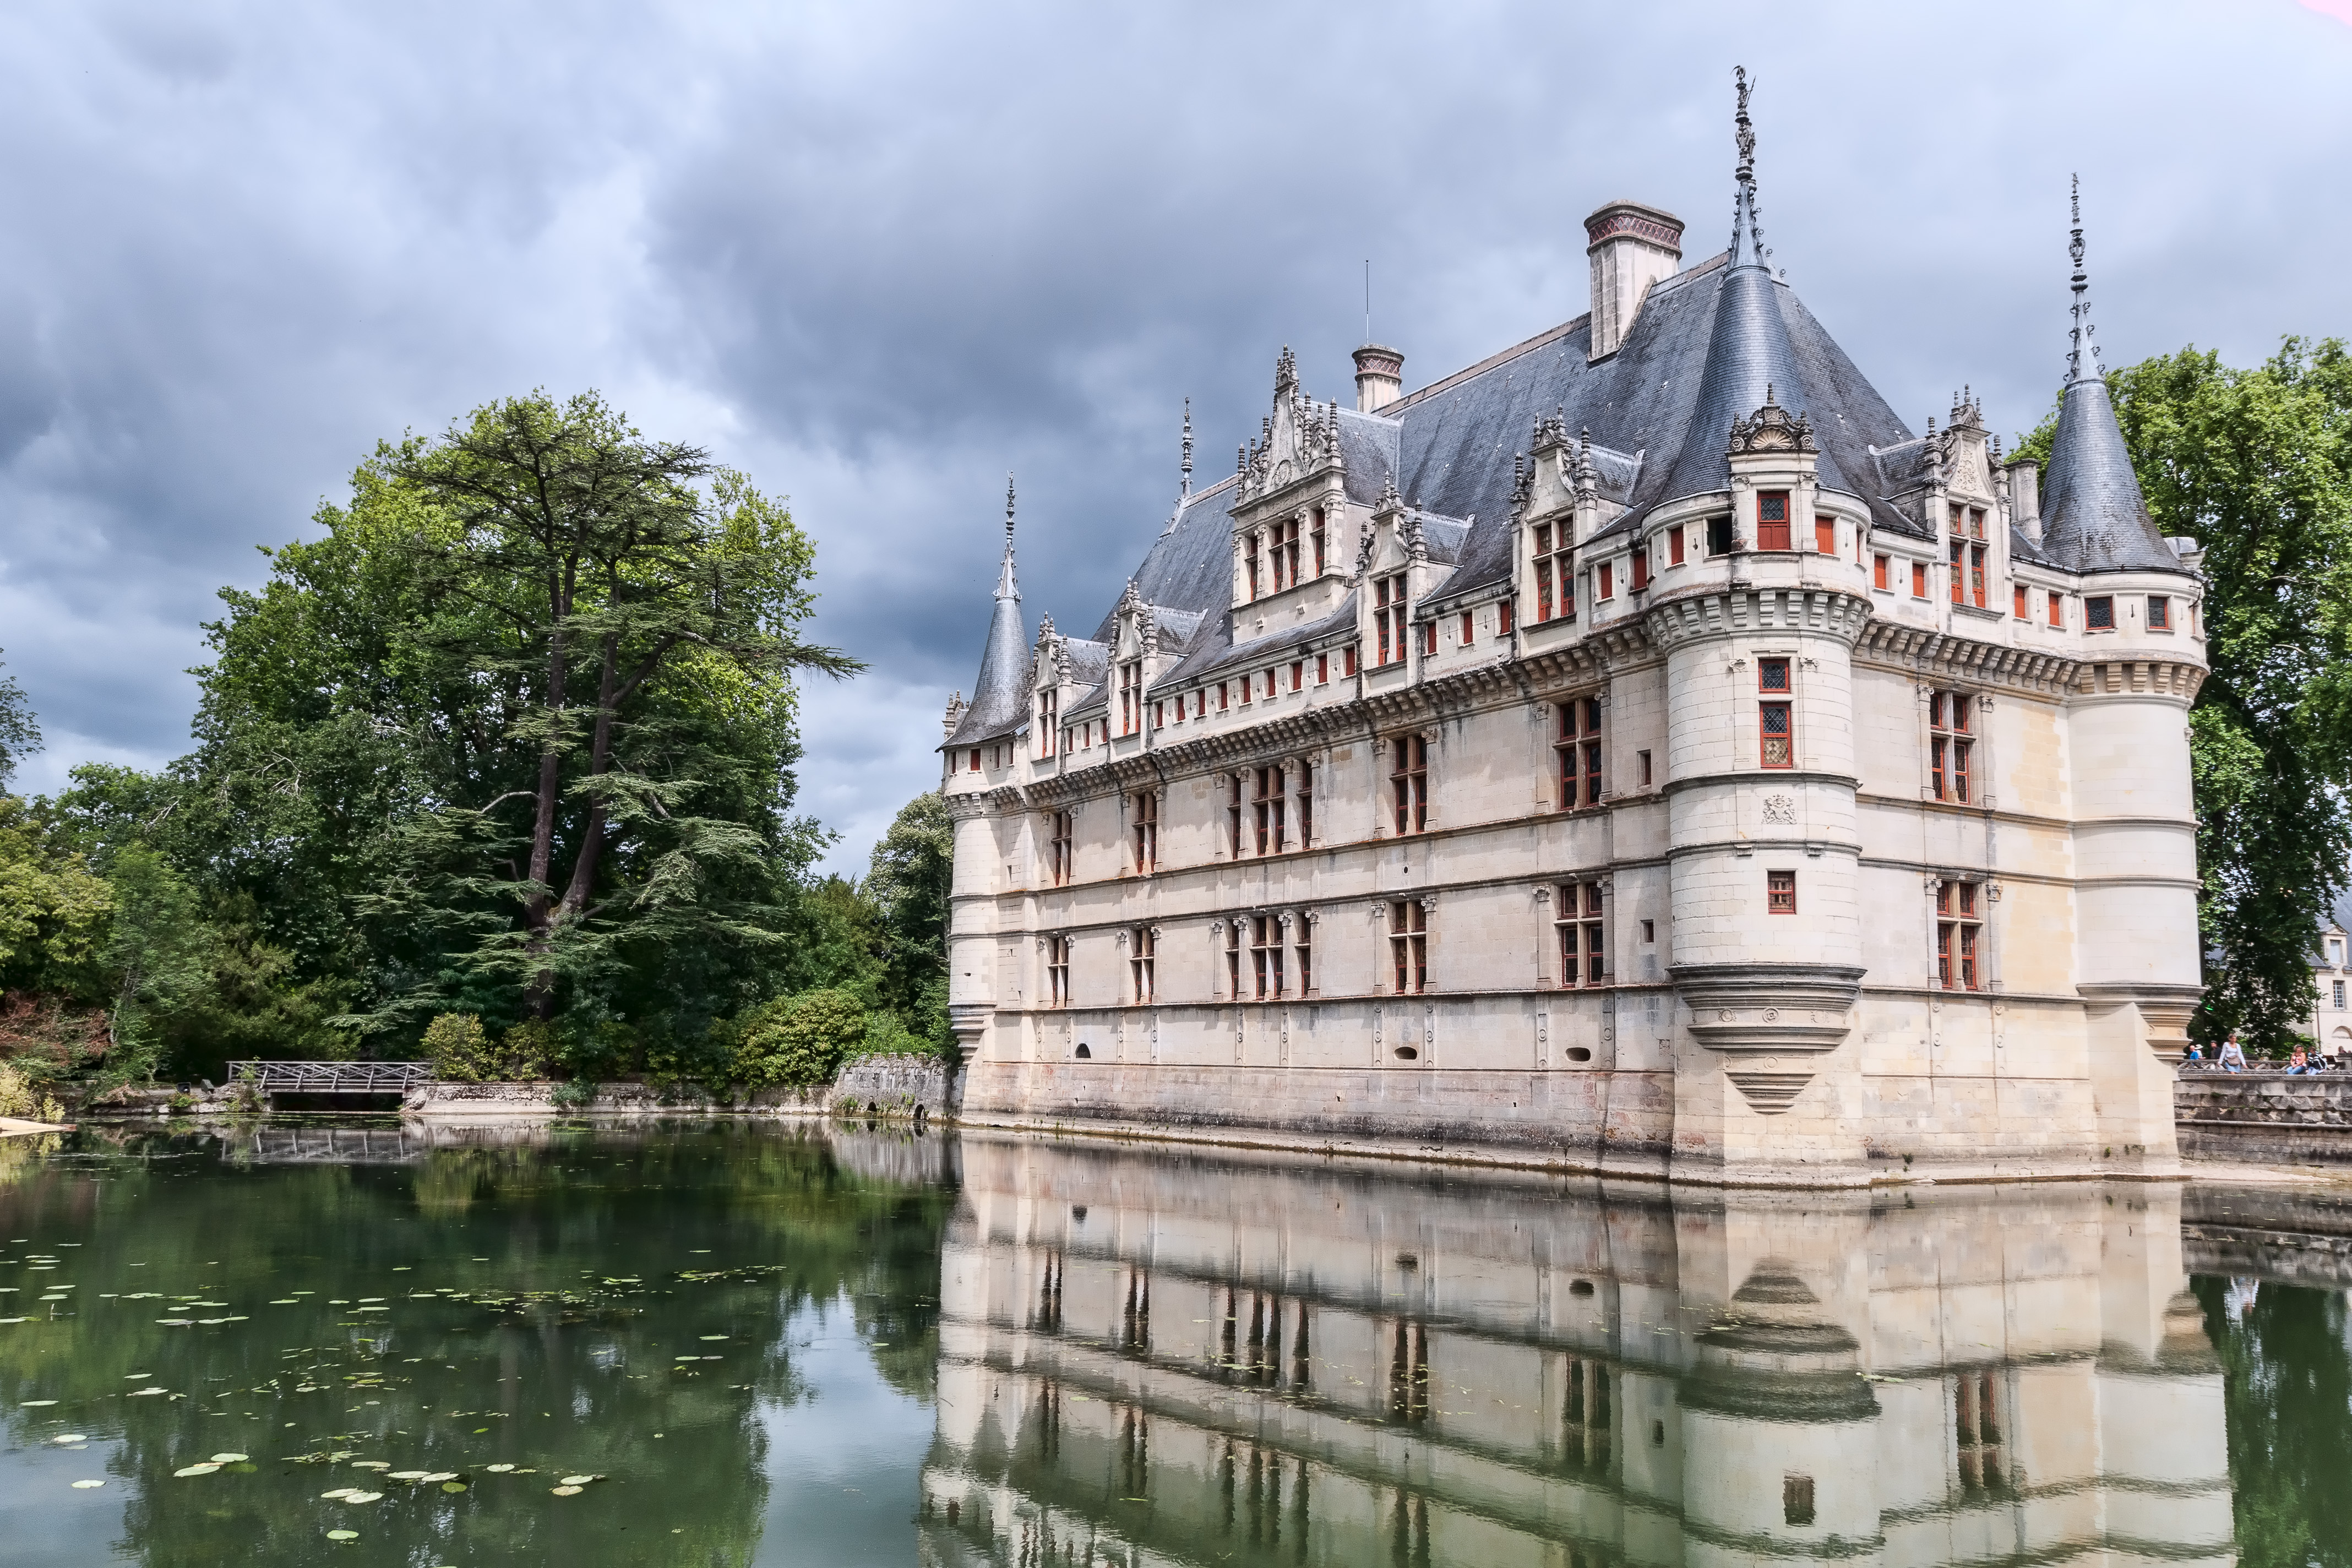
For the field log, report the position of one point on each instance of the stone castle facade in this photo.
(1638, 750)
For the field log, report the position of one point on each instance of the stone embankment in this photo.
(870, 1085)
(2264, 1116)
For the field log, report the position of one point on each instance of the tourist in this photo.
(2196, 1056)
(2233, 1055)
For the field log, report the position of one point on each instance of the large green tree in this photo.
(2256, 465)
(514, 736)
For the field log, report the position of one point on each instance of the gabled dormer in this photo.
(1293, 529)
(1147, 642)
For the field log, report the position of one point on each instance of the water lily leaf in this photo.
(439, 1476)
(205, 1469)
(339, 1492)
(343, 1535)
(68, 1437)
(453, 1486)
(714, 1336)
(565, 1491)
(371, 1464)
(498, 1470)
(85, 1486)
(137, 1376)
(405, 1476)
(362, 1496)
(287, 1301)
(580, 1480)
(36, 1403)
(230, 1458)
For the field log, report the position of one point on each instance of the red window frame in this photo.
(1776, 717)
(1918, 579)
(1772, 521)
(1878, 571)
(1674, 545)
(1781, 892)
(1825, 535)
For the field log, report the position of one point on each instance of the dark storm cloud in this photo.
(879, 255)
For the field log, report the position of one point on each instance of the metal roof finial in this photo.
(1746, 222)
(2082, 357)
(1187, 487)
(1004, 584)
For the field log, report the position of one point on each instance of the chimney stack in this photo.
(1380, 378)
(2025, 497)
(1632, 245)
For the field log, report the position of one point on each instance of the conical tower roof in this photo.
(1748, 357)
(2094, 517)
(1000, 699)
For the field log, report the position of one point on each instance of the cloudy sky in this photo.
(880, 254)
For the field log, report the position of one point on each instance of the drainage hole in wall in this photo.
(1407, 1054)
(1085, 1055)
(1580, 1288)
(1579, 1054)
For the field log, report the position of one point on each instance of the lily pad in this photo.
(36, 1403)
(86, 1486)
(498, 1470)
(565, 1491)
(68, 1437)
(343, 1535)
(204, 1469)
(453, 1486)
(339, 1492)
(362, 1496)
(371, 1464)
(230, 1458)
(137, 1376)
(405, 1476)
(135, 1393)
(579, 1480)
(440, 1475)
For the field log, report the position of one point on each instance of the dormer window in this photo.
(1130, 696)
(1249, 563)
(1387, 617)
(1286, 554)
(1555, 588)
(1049, 720)
(1314, 539)
(1772, 521)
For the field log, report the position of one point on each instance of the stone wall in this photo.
(2264, 1115)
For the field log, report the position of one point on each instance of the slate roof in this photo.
(1701, 353)
(999, 701)
(2093, 516)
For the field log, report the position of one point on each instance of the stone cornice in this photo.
(1704, 613)
(1945, 656)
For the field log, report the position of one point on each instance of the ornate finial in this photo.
(1006, 588)
(2083, 358)
(1187, 486)
(1746, 222)
(1008, 512)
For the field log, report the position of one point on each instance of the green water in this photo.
(730, 1344)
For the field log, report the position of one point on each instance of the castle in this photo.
(1637, 752)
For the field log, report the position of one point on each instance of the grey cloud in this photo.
(880, 254)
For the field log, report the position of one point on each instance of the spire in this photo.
(2082, 357)
(1004, 586)
(2094, 517)
(1749, 362)
(1000, 700)
(1746, 226)
(1185, 488)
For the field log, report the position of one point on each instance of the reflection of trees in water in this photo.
(610, 1255)
(2288, 1380)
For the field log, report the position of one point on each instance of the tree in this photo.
(20, 737)
(577, 571)
(911, 874)
(2256, 465)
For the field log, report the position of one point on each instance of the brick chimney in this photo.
(1632, 245)
(1380, 378)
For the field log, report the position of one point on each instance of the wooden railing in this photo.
(331, 1078)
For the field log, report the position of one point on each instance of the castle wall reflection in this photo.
(1155, 1360)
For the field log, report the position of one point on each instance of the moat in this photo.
(723, 1344)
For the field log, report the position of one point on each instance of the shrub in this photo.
(800, 1040)
(458, 1050)
(527, 1051)
(15, 1091)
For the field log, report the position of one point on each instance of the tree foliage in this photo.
(2256, 465)
(511, 738)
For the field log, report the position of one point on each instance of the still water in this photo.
(726, 1345)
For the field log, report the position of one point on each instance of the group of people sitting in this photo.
(2231, 1057)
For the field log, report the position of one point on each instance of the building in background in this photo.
(1639, 749)
(2331, 1018)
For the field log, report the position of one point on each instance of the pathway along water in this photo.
(731, 1345)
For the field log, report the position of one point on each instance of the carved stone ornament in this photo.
(1781, 810)
(1772, 428)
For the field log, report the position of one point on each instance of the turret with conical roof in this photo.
(999, 701)
(1749, 354)
(2094, 517)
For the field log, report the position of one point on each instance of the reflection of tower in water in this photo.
(1255, 1365)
